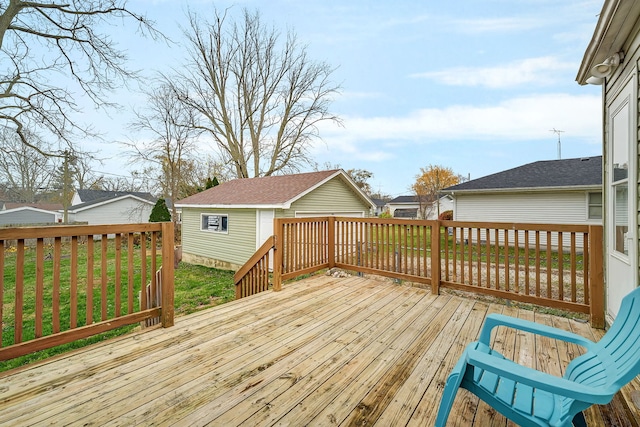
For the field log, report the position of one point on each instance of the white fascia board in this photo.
(115, 199)
(525, 190)
(27, 208)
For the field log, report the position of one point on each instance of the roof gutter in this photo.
(614, 24)
(523, 189)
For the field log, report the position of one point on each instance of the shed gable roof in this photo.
(107, 200)
(274, 191)
(41, 206)
(578, 172)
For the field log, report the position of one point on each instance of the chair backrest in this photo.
(615, 359)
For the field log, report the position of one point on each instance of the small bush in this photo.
(160, 212)
(446, 216)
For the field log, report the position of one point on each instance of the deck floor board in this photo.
(323, 351)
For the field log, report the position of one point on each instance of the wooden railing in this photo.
(253, 277)
(558, 266)
(64, 283)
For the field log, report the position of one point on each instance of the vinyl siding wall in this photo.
(125, 211)
(27, 217)
(331, 198)
(221, 250)
(563, 207)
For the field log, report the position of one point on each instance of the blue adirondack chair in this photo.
(532, 398)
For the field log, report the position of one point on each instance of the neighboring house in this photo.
(403, 207)
(110, 207)
(565, 191)
(409, 207)
(86, 195)
(611, 59)
(224, 225)
(380, 204)
(29, 214)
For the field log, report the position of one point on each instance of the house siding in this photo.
(221, 250)
(125, 211)
(562, 207)
(27, 217)
(332, 197)
(568, 207)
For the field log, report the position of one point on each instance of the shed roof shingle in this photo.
(583, 171)
(269, 190)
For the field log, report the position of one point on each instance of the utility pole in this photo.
(66, 184)
(558, 132)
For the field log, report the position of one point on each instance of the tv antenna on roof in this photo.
(558, 132)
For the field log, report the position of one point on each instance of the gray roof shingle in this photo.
(583, 172)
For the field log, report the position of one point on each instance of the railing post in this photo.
(167, 274)
(331, 241)
(435, 258)
(278, 249)
(596, 276)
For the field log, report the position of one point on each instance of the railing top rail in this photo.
(356, 219)
(579, 228)
(262, 251)
(75, 230)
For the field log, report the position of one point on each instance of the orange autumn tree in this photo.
(428, 184)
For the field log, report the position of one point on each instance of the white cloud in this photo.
(517, 24)
(540, 71)
(526, 118)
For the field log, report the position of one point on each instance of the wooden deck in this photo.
(323, 351)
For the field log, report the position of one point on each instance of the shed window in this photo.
(217, 223)
(595, 205)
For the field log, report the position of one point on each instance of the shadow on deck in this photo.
(323, 351)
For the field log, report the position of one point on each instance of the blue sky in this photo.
(476, 86)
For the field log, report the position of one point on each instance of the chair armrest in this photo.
(506, 368)
(494, 320)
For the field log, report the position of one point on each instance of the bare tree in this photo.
(25, 172)
(258, 97)
(42, 43)
(170, 153)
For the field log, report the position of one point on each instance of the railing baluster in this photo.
(90, 254)
(118, 275)
(73, 323)
(527, 263)
(19, 295)
(55, 298)
(574, 293)
(104, 278)
(560, 267)
(39, 303)
(2, 249)
(130, 271)
(549, 265)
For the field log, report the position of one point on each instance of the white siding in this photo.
(562, 207)
(123, 211)
(27, 216)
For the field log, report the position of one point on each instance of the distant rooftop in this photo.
(578, 172)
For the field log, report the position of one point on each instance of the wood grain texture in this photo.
(323, 351)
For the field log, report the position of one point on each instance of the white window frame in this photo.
(589, 205)
(210, 230)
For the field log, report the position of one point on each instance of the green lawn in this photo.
(196, 288)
